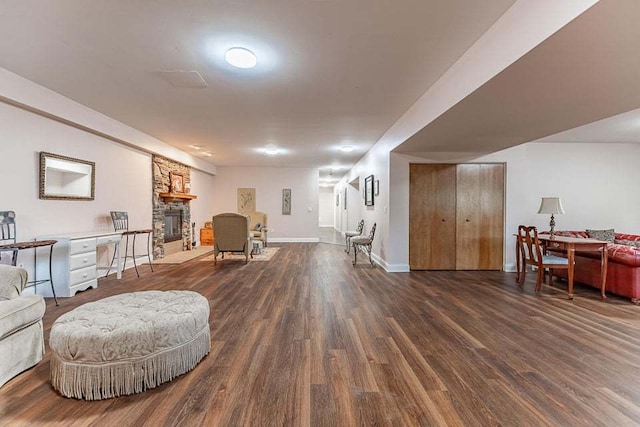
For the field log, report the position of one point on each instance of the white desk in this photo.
(74, 260)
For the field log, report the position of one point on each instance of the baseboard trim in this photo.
(294, 240)
(389, 268)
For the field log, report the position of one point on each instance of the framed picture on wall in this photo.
(286, 201)
(177, 182)
(344, 198)
(368, 191)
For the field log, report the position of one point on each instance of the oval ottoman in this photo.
(128, 343)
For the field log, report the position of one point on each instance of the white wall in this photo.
(123, 180)
(326, 205)
(301, 225)
(596, 182)
(203, 207)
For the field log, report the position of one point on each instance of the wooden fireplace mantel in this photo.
(179, 197)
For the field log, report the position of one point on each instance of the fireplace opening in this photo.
(172, 225)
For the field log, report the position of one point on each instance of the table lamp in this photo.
(551, 205)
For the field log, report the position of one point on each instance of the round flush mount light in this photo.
(346, 148)
(271, 151)
(240, 57)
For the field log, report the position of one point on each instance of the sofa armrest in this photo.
(12, 281)
(19, 313)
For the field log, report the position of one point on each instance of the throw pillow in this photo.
(635, 243)
(258, 226)
(606, 235)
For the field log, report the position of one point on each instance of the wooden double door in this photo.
(456, 216)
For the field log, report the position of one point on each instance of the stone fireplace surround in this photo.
(162, 167)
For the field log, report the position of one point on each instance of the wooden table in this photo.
(570, 245)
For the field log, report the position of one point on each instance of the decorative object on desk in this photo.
(246, 200)
(551, 205)
(286, 201)
(66, 178)
(177, 182)
(608, 235)
(377, 188)
(368, 191)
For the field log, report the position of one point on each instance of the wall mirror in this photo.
(66, 178)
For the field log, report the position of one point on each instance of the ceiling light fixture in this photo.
(196, 147)
(271, 151)
(346, 148)
(240, 57)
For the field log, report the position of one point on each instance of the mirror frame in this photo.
(43, 162)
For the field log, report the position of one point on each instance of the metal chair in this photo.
(9, 243)
(349, 234)
(121, 223)
(364, 244)
(531, 253)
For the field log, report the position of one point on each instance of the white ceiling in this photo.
(330, 72)
(585, 72)
(624, 128)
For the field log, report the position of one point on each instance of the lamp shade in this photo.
(551, 205)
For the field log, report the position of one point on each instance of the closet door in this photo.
(432, 217)
(479, 216)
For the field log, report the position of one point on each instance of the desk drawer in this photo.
(82, 260)
(105, 240)
(82, 275)
(82, 246)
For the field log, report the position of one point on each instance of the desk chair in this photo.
(364, 244)
(531, 253)
(9, 243)
(121, 223)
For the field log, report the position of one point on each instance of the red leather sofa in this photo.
(623, 269)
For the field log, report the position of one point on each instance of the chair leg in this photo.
(370, 260)
(111, 265)
(540, 279)
(346, 244)
(355, 254)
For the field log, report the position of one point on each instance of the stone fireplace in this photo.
(171, 218)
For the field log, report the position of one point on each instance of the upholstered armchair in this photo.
(21, 335)
(232, 235)
(258, 226)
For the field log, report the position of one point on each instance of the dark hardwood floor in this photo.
(307, 339)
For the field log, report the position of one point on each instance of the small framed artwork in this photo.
(377, 188)
(345, 198)
(368, 191)
(177, 182)
(286, 201)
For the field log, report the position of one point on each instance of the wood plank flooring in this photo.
(307, 339)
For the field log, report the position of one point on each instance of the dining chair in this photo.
(532, 253)
(349, 234)
(364, 244)
(121, 223)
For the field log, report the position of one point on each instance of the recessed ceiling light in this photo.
(240, 57)
(207, 154)
(271, 151)
(196, 147)
(346, 148)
